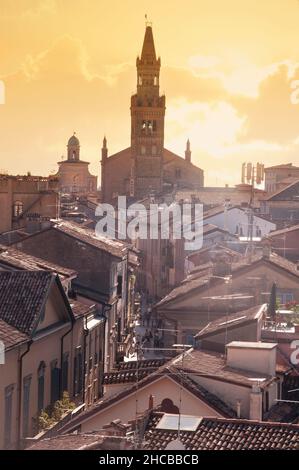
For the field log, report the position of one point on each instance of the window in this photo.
(154, 150)
(148, 126)
(119, 285)
(55, 376)
(8, 394)
(26, 404)
(143, 150)
(17, 208)
(178, 173)
(90, 352)
(40, 386)
(65, 371)
(96, 344)
(285, 297)
(78, 371)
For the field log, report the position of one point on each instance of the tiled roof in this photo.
(80, 309)
(231, 321)
(283, 165)
(114, 247)
(129, 372)
(144, 364)
(10, 336)
(184, 371)
(216, 247)
(283, 231)
(68, 442)
(200, 282)
(213, 364)
(22, 296)
(16, 259)
(281, 190)
(225, 434)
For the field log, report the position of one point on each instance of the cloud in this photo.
(271, 116)
(53, 94)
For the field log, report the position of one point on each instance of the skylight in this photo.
(171, 422)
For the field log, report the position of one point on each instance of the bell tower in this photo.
(147, 123)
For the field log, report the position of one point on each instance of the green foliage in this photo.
(53, 413)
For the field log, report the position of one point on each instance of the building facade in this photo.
(147, 166)
(73, 174)
(23, 197)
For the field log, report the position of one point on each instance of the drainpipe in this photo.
(20, 374)
(85, 334)
(61, 358)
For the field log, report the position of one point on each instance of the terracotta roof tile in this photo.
(129, 372)
(22, 294)
(225, 434)
(231, 321)
(199, 282)
(13, 258)
(10, 336)
(213, 364)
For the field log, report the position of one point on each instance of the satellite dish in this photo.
(176, 444)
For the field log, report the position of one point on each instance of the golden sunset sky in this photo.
(227, 68)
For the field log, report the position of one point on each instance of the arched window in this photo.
(143, 150)
(17, 208)
(40, 386)
(154, 150)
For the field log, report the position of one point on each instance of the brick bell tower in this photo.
(147, 123)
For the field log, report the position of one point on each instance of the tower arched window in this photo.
(18, 208)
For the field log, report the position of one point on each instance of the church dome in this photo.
(73, 141)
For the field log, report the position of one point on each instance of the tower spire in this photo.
(148, 53)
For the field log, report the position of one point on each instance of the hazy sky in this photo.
(227, 68)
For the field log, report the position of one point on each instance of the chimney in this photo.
(256, 401)
(151, 402)
(188, 152)
(238, 408)
(266, 247)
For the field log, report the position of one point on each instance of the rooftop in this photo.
(10, 336)
(213, 364)
(251, 345)
(196, 283)
(11, 258)
(225, 434)
(29, 288)
(232, 321)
